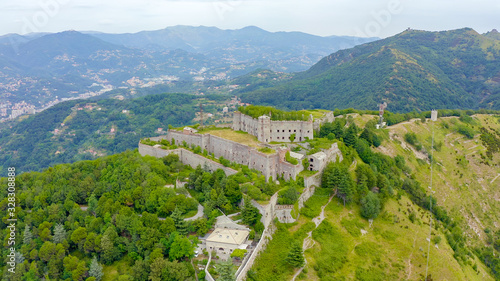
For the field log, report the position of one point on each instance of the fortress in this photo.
(272, 165)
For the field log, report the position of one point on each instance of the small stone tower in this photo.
(264, 128)
(434, 115)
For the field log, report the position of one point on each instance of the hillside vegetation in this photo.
(413, 70)
(465, 240)
(82, 130)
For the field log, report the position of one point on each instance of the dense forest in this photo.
(75, 218)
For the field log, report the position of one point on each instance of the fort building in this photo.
(267, 130)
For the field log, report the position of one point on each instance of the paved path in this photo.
(308, 241)
(200, 211)
(207, 274)
(198, 215)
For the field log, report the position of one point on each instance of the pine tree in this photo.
(295, 257)
(249, 213)
(345, 190)
(226, 271)
(96, 269)
(92, 203)
(27, 236)
(351, 135)
(179, 222)
(370, 206)
(59, 233)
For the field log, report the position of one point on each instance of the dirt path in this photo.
(495, 178)
(308, 241)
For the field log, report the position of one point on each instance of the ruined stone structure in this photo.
(271, 165)
(318, 161)
(267, 130)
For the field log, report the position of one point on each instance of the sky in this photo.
(363, 18)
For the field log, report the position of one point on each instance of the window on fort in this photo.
(294, 131)
(311, 160)
(283, 131)
(289, 131)
(278, 131)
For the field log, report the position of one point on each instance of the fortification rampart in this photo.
(270, 165)
(185, 156)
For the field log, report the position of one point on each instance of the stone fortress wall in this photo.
(270, 165)
(185, 156)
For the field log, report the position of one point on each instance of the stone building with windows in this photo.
(267, 130)
(227, 237)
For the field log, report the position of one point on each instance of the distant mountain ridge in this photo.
(413, 70)
(38, 67)
(210, 40)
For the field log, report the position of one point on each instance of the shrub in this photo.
(466, 131)
(290, 159)
(411, 138)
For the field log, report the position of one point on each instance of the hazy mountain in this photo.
(414, 70)
(39, 67)
(249, 43)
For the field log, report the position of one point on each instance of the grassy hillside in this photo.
(414, 70)
(465, 179)
(465, 234)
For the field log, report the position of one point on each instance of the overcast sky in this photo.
(364, 18)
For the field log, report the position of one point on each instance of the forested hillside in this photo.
(81, 129)
(413, 70)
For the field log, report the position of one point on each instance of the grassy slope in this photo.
(463, 183)
(395, 248)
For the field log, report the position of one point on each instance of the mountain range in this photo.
(40, 68)
(413, 70)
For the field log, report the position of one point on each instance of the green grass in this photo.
(113, 271)
(312, 207)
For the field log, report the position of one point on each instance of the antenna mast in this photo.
(430, 200)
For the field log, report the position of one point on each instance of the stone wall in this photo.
(270, 165)
(185, 156)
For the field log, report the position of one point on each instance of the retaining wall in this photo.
(185, 156)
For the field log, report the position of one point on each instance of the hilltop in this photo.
(413, 70)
